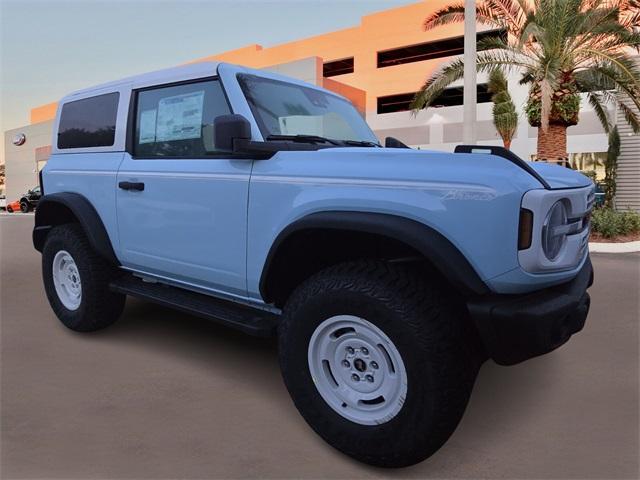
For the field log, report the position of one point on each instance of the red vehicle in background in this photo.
(13, 206)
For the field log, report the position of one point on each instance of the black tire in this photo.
(24, 207)
(432, 333)
(99, 306)
(9, 209)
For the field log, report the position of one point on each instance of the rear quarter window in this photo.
(90, 122)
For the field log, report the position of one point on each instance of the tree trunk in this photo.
(507, 144)
(552, 144)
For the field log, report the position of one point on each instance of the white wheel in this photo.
(66, 280)
(357, 370)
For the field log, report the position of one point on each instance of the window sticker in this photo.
(147, 126)
(180, 117)
(301, 124)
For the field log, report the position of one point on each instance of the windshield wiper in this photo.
(361, 143)
(303, 138)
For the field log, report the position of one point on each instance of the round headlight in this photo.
(553, 236)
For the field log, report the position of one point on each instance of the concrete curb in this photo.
(627, 247)
(16, 214)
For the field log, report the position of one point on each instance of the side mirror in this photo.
(227, 130)
(391, 142)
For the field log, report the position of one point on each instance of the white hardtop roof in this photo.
(167, 75)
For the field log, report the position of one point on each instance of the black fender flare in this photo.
(434, 246)
(49, 214)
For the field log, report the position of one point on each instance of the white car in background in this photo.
(3, 202)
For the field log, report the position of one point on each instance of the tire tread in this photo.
(443, 336)
(100, 307)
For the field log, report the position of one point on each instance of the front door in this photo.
(182, 213)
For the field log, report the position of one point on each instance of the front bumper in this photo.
(515, 328)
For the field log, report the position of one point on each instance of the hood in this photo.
(560, 177)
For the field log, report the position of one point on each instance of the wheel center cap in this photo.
(360, 364)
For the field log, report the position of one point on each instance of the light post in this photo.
(470, 73)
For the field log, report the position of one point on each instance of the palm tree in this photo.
(505, 117)
(560, 48)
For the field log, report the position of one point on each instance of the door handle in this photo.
(139, 186)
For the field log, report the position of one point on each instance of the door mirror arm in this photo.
(232, 133)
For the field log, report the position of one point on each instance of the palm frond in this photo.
(453, 13)
(596, 101)
(623, 84)
(497, 13)
(436, 84)
(454, 71)
(621, 66)
(513, 12)
(630, 116)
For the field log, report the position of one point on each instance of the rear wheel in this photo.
(76, 281)
(379, 362)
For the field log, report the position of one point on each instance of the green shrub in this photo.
(631, 222)
(611, 223)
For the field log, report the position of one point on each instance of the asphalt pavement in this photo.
(161, 394)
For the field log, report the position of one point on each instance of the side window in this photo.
(90, 122)
(177, 121)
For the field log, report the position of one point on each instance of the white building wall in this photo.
(21, 166)
(441, 128)
(628, 181)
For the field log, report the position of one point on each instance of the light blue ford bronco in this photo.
(267, 204)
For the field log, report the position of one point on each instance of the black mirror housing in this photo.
(391, 142)
(228, 129)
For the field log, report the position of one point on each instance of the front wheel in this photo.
(76, 281)
(379, 362)
(24, 207)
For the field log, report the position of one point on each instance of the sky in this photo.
(49, 47)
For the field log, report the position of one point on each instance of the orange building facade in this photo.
(378, 32)
(379, 65)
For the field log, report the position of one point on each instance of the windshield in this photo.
(282, 108)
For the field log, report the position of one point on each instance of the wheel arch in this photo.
(68, 207)
(399, 233)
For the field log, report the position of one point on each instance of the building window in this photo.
(337, 67)
(429, 50)
(177, 121)
(450, 97)
(90, 122)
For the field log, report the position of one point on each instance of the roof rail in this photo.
(506, 154)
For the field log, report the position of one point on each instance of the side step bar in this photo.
(246, 319)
